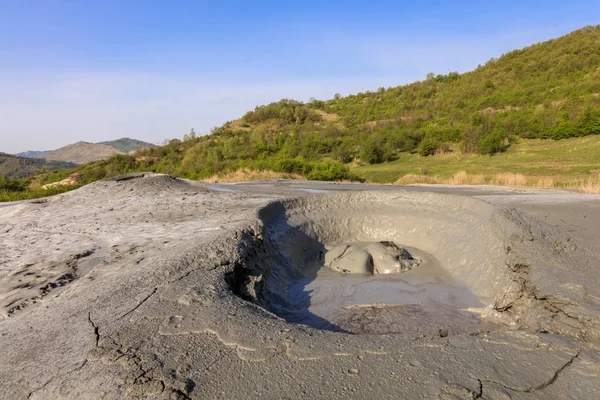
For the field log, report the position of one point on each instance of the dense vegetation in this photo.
(546, 91)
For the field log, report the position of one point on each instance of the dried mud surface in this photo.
(152, 287)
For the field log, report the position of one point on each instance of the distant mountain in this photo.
(31, 154)
(126, 144)
(85, 152)
(81, 153)
(30, 163)
(16, 167)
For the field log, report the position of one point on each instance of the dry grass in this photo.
(71, 180)
(462, 178)
(245, 175)
(326, 116)
(509, 179)
(590, 185)
(412, 179)
(545, 182)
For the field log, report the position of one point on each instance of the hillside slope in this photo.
(549, 90)
(15, 167)
(31, 154)
(126, 145)
(81, 153)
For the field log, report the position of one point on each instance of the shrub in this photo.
(490, 144)
(428, 146)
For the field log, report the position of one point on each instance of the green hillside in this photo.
(548, 91)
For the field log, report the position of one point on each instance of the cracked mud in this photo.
(154, 287)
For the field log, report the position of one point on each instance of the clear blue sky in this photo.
(98, 70)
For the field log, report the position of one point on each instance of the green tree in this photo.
(588, 123)
(371, 152)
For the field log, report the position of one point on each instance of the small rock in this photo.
(443, 332)
(353, 371)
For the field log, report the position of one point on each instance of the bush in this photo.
(342, 153)
(490, 144)
(328, 171)
(428, 146)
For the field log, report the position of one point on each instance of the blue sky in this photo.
(98, 70)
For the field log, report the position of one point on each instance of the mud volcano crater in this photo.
(386, 263)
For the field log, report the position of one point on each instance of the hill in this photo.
(81, 153)
(31, 154)
(70, 153)
(15, 167)
(549, 90)
(126, 145)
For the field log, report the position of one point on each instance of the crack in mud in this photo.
(57, 376)
(527, 291)
(479, 394)
(40, 388)
(96, 328)
(69, 272)
(143, 377)
(139, 304)
(535, 388)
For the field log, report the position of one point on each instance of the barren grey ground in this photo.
(158, 288)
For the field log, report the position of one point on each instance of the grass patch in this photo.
(8, 195)
(571, 163)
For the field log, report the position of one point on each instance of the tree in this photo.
(588, 123)
(190, 136)
(371, 152)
